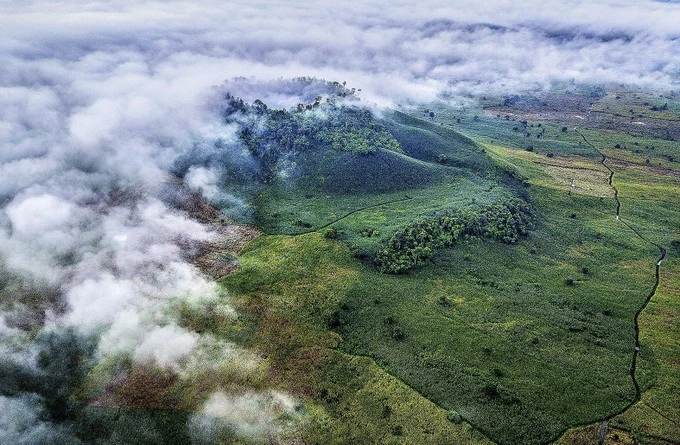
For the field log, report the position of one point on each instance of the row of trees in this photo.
(415, 243)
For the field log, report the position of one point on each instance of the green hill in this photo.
(333, 166)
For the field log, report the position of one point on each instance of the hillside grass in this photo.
(509, 345)
(523, 342)
(291, 287)
(366, 197)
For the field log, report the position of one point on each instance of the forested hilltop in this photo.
(329, 164)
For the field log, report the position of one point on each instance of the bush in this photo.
(454, 417)
(369, 232)
(443, 301)
(490, 391)
(333, 233)
(398, 333)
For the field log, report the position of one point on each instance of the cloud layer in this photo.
(392, 50)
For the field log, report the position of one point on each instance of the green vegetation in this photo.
(523, 338)
(418, 241)
(514, 323)
(292, 289)
(272, 136)
(468, 338)
(365, 196)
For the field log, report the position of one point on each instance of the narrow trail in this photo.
(602, 431)
(636, 324)
(610, 180)
(654, 118)
(673, 421)
(361, 209)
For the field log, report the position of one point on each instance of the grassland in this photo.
(292, 288)
(522, 342)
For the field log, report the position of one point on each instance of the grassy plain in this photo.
(517, 343)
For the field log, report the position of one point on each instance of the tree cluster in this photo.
(272, 135)
(415, 243)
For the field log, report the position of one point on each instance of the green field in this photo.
(522, 342)
(367, 197)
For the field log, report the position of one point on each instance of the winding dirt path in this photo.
(636, 324)
(610, 180)
(361, 209)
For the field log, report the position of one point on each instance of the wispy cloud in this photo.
(390, 50)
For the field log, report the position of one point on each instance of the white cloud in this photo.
(39, 214)
(166, 346)
(250, 415)
(20, 424)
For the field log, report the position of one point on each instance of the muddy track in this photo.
(636, 324)
(610, 180)
(361, 209)
(653, 118)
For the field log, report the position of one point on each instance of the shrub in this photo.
(333, 233)
(490, 391)
(443, 301)
(442, 159)
(454, 417)
(369, 232)
(398, 333)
